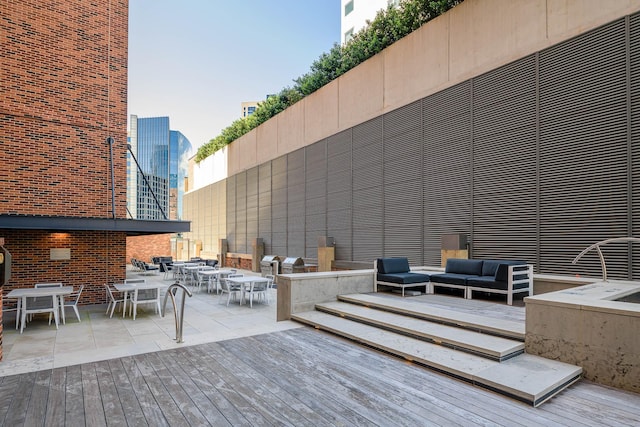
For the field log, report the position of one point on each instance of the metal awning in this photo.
(133, 227)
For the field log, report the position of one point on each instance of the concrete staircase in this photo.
(487, 352)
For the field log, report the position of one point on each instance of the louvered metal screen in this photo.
(402, 172)
(231, 214)
(447, 167)
(264, 206)
(339, 193)
(315, 196)
(279, 206)
(241, 214)
(505, 163)
(634, 47)
(368, 196)
(583, 150)
(295, 203)
(252, 207)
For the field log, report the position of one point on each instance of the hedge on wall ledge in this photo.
(388, 26)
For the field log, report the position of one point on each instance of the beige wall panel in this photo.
(360, 92)
(267, 134)
(242, 153)
(485, 34)
(321, 113)
(568, 18)
(417, 64)
(291, 129)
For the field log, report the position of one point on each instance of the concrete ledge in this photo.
(300, 292)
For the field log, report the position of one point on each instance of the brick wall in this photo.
(97, 257)
(145, 247)
(63, 90)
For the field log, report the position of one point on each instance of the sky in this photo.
(196, 61)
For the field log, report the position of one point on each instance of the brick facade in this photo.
(145, 247)
(63, 85)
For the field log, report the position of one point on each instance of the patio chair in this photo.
(229, 288)
(142, 297)
(72, 302)
(38, 305)
(167, 269)
(271, 286)
(43, 300)
(113, 301)
(257, 288)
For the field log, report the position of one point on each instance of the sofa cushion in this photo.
(464, 266)
(450, 278)
(403, 278)
(490, 266)
(393, 265)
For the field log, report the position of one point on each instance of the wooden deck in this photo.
(298, 377)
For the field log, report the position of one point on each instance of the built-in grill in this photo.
(292, 265)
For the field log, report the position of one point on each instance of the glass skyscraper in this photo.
(155, 190)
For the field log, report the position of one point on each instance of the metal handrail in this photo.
(597, 245)
(171, 291)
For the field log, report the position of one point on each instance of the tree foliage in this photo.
(387, 27)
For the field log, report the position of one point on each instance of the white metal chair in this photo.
(256, 288)
(44, 300)
(271, 286)
(113, 301)
(142, 297)
(72, 301)
(167, 269)
(229, 288)
(38, 305)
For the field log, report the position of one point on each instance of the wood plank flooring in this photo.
(299, 377)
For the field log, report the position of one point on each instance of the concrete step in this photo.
(420, 310)
(488, 346)
(528, 378)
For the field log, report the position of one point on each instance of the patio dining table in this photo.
(215, 275)
(23, 293)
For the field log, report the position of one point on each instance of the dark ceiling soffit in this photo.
(56, 223)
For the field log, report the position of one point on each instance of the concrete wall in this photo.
(298, 293)
(474, 37)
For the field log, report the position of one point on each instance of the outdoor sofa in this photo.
(490, 276)
(395, 272)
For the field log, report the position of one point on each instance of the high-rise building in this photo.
(179, 151)
(248, 108)
(156, 182)
(355, 14)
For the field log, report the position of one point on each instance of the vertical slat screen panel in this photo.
(295, 203)
(231, 214)
(505, 163)
(252, 207)
(634, 48)
(241, 213)
(264, 206)
(402, 133)
(368, 212)
(315, 196)
(339, 193)
(447, 167)
(279, 206)
(583, 151)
